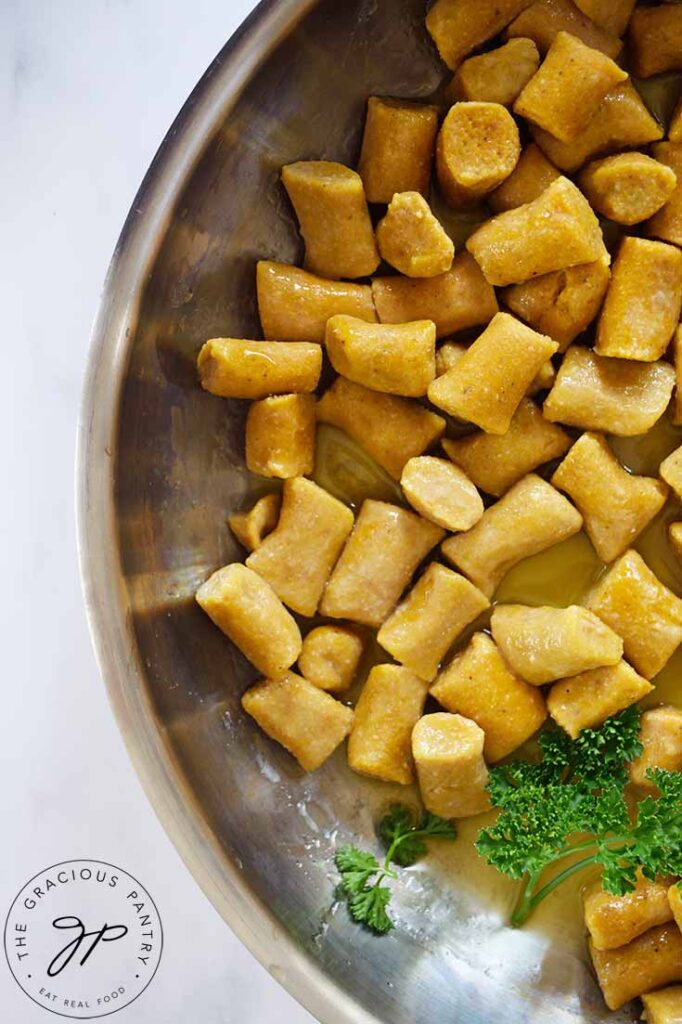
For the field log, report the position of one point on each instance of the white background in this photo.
(87, 90)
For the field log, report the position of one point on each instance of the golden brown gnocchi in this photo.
(541, 21)
(564, 94)
(554, 231)
(648, 962)
(295, 305)
(530, 517)
(666, 224)
(397, 148)
(478, 685)
(615, 396)
(441, 492)
(628, 187)
(456, 28)
(252, 527)
(487, 384)
(616, 505)
(454, 301)
(655, 39)
(643, 302)
(412, 240)
(586, 700)
(280, 436)
(671, 471)
(233, 368)
(452, 773)
(641, 609)
(389, 707)
(427, 622)
(330, 657)
(664, 1006)
(675, 903)
(661, 738)
(497, 76)
(306, 721)
(612, 15)
(542, 645)
(391, 429)
(495, 462)
(613, 921)
(298, 556)
(676, 412)
(331, 207)
(246, 608)
(562, 304)
(529, 179)
(622, 121)
(478, 147)
(399, 359)
(386, 546)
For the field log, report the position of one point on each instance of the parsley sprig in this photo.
(363, 878)
(571, 802)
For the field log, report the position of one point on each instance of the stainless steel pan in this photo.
(161, 466)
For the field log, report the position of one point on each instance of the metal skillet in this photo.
(160, 466)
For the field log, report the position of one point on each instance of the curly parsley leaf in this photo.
(404, 836)
(356, 868)
(654, 841)
(397, 833)
(436, 827)
(368, 907)
(573, 800)
(601, 756)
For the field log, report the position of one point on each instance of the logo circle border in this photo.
(59, 864)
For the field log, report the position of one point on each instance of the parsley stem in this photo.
(524, 907)
(389, 856)
(588, 844)
(567, 850)
(414, 834)
(527, 903)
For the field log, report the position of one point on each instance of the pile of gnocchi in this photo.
(487, 379)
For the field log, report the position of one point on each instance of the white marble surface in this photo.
(87, 90)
